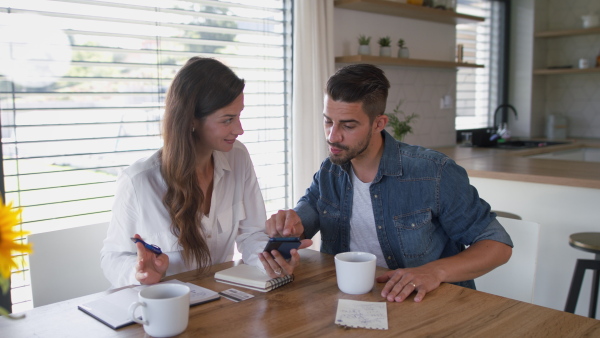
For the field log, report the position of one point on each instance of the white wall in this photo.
(419, 88)
(560, 211)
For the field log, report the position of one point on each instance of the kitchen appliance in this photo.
(556, 127)
(480, 137)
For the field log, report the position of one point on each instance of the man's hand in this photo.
(150, 268)
(285, 223)
(276, 266)
(402, 282)
(478, 259)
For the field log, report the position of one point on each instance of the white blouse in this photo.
(237, 215)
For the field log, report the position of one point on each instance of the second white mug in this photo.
(355, 272)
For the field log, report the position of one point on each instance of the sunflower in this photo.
(8, 219)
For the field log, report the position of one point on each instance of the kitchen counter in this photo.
(513, 165)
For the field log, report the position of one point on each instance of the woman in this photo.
(197, 196)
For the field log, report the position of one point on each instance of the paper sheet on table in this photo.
(368, 315)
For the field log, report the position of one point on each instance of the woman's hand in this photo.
(276, 266)
(150, 268)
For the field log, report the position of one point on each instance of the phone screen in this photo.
(283, 245)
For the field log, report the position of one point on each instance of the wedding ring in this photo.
(277, 272)
(413, 284)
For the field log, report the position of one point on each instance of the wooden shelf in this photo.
(566, 71)
(390, 61)
(387, 7)
(567, 32)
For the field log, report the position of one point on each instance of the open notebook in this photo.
(250, 277)
(113, 309)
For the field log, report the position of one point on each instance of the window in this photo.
(82, 88)
(477, 92)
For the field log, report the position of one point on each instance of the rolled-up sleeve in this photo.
(466, 217)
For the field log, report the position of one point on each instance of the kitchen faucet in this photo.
(502, 129)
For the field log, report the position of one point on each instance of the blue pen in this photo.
(151, 247)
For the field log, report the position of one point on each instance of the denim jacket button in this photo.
(379, 227)
(325, 211)
(412, 225)
(389, 257)
(375, 196)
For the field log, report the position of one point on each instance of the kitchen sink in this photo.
(524, 144)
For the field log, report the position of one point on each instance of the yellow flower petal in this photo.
(9, 236)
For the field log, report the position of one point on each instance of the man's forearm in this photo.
(477, 260)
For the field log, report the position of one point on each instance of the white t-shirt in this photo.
(237, 214)
(363, 235)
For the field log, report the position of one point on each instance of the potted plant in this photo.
(403, 51)
(401, 127)
(385, 44)
(363, 45)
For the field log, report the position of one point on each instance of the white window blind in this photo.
(71, 123)
(477, 89)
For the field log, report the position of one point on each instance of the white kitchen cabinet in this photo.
(560, 211)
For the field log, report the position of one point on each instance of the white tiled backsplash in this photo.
(420, 90)
(577, 96)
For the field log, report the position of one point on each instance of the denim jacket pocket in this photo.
(329, 218)
(415, 232)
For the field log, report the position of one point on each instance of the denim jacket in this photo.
(424, 207)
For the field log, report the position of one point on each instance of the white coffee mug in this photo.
(355, 272)
(165, 309)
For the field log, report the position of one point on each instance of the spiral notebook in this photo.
(251, 277)
(113, 309)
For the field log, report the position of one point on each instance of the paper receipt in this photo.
(368, 315)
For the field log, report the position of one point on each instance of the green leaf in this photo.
(4, 285)
(364, 40)
(385, 41)
(4, 312)
(401, 127)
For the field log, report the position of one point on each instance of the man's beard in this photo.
(350, 152)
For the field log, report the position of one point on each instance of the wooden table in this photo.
(307, 308)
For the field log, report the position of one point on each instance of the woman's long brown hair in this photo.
(201, 87)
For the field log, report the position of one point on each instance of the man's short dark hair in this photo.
(360, 83)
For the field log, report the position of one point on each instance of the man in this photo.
(412, 207)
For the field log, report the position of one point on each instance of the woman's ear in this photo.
(195, 125)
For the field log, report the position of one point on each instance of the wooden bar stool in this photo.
(506, 214)
(589, 242)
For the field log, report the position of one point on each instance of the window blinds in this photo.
(82, 88)
(477, 89)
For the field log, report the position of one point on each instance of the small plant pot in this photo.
(364, 50)
(403, 53)
(385, 51)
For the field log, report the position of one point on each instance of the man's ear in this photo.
(380, 122)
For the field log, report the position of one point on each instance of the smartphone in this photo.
(283, 245)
